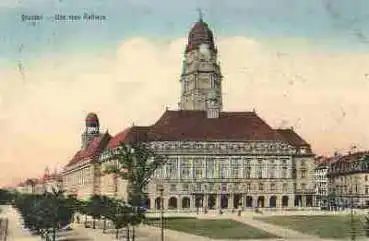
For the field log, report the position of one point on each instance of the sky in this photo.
(301, 64)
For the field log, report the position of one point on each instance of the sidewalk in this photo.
(16, 232)
(143, 233)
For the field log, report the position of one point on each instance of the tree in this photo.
(95, 208)
(136, 164)
(42, 213)
(58, 211)
(105, 209)
(118, 213)
(82, 208)
(5, 196)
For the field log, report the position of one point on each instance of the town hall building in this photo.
(215, 159)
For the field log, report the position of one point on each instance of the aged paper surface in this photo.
(259, 106)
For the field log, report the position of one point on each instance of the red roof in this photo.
(132, 134)
(292, 137)
(93, 149)
(192, 125)
(195, 126)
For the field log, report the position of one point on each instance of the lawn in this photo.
(215, 229)
(323, 226)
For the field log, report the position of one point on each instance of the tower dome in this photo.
(92, 120)
(200, 34)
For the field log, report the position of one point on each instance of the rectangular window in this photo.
(173, 187)
(261, 186)
(272, 170)
(235, 168)
(185, 168)
(247, 168)
(198, 187)
(236, 187)
(198, 168)
(285, 187)
(260, 172)
(185, 187)
(171, 168)
(247, 172)
(273, 187)
(248, 187)
(223, 168)
(284, 172)
(210, 168)
(303, 174)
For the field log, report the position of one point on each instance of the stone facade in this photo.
(201, 79)
(79, 180)
(349, 180)
(47, 183)
(321, 184)
(223, 177)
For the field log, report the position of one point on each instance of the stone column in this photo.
(291, 201)
(193, 203)
(218, 201)
(255, 201)
(230, 200)
(179, 168)
(206, 200)
(303, 201)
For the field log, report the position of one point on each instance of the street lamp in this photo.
(161, 190)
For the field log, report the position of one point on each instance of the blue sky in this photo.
(335, 24)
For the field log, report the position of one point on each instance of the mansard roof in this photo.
(351, 157)
(357, 162)
(94, 148)
(292, 137)
(192, 125)
(129, 135)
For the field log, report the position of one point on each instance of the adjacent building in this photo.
(47, 183)
(216, 159)
(321, 180)
(349, 180)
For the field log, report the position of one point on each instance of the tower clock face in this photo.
(204, 49)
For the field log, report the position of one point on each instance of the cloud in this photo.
(323, 95)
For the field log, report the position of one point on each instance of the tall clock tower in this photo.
(92, 129)
(201, 78)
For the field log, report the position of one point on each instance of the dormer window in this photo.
(303, 150)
